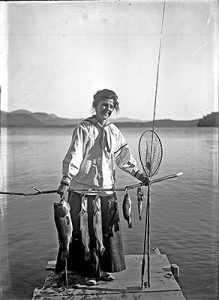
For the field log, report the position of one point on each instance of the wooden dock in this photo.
(127, 284)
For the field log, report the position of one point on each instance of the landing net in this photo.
(150, 152)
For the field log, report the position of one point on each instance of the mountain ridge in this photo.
(25, 118)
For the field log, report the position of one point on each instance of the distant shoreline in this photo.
(22, 118)
(173, 124)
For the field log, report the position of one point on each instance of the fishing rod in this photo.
(152, 151)
(95, 190)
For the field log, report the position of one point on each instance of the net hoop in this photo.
(150, 152)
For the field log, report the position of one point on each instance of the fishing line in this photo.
(147, 217)
(158, 67)
(54, 278)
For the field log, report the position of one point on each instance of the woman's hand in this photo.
(62, 190)
(142, 177)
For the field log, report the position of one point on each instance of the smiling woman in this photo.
(97, 147)
(105, 101)
(104, 110)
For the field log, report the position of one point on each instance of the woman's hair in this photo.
(105, 94)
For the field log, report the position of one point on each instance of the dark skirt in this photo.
(113, 258)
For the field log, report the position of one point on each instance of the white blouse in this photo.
(94, 152)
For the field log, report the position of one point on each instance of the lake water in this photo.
(184, 211)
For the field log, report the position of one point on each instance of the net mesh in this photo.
(150, 152)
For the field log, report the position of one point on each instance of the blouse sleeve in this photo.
(74, 156)
(123, 156)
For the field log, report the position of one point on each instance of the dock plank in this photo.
(125, 286)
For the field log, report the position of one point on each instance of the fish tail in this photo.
(100, 247)
(85, 237)
(97, 224)
(64, 252)
(139, 211)
(87, 254)
(130, 223)
(102, 250)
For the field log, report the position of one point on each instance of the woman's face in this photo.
(104, 110)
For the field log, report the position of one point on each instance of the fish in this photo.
(126, 205)
(64, 227)
(97, 224)
(84, 229)
(113, 218)
(140, 196)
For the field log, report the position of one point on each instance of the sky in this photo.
(60, 53)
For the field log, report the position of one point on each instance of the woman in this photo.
(97, 146)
